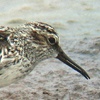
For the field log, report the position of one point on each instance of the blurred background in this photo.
(77, 22)
(69, 16)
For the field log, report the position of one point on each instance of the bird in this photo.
(23, 47)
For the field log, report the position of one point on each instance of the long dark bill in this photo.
(65, 59)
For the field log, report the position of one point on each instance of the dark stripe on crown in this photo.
(43, 26)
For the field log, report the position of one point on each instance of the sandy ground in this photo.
(78, 25)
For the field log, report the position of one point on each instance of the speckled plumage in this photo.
(24, 47)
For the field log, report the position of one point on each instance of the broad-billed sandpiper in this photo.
(22, 48)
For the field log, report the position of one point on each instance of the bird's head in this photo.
(46, 43)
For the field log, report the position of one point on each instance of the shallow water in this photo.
(77, 23)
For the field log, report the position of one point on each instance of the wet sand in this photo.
(78, 24)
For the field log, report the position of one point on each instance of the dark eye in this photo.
(52, 40)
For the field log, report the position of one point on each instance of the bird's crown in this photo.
(42, 33)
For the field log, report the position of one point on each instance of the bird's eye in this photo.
(52, 40)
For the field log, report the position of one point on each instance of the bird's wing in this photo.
(5, 33)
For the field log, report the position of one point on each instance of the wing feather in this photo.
(4, 33)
